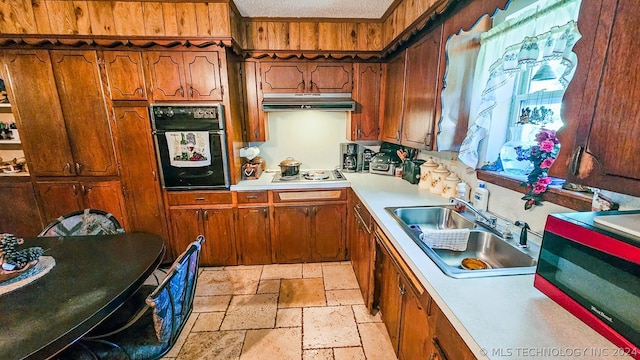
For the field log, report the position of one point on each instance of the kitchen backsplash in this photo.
(311, 137)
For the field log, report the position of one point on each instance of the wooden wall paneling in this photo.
(83, 20)
(260, 35)
(329, 36)
(309, 35)
(411, 10)
(294, 35)
(62, 17)
(127, 18)
(153, 18)
(203, 23)
(41, 16)
(220, 19)
(374, 36)
(278, 38)
(186, 18)
(170, 19)
(101, 14)
(362, 36)
(350, 36)
(236, 26)
(387, 30)
(20, 13)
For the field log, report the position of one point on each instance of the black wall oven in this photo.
(191, 146)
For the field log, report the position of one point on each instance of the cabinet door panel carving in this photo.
(167, 73)
(202, 75)
(126, 75)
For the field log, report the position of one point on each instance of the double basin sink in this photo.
(487, 254)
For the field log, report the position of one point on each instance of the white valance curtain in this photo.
(540, 34)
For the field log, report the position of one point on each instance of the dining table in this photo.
(91, 278)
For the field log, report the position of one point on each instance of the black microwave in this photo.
(591, 267)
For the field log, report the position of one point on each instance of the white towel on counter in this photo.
(450, 239)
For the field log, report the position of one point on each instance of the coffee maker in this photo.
(351, 157)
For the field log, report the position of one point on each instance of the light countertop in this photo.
(498, 317)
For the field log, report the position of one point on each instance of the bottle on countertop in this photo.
(481, 196)
(462, 191)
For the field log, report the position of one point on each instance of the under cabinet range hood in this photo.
(308, 101)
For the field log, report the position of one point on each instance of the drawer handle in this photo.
(199, 199)
(250, 197)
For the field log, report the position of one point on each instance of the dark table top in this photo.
(93, 275)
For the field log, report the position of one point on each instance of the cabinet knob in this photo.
(304, 86)
(197, 214)
(84, 190)
(439, 352)
(67, 167)
(265, 211)
(75, 189)
(78, 166)
(191, 91)
(181, 91)
(206, 215)
(306, 211)
(402, 289)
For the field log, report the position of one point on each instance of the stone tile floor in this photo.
(281, 312)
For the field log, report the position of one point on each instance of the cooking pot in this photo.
(289, 167)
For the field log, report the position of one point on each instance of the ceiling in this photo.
(345, 9)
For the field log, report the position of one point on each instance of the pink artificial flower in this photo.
(547, 145)
(544, 181)
(545, 134)
(539, 188)
(546, 163)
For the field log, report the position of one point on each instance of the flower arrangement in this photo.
(542, 157)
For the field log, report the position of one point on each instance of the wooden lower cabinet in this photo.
(217, 226)
(361, 247)
(417, 328)
(57, 198)
(253, 235)
(309, 233)
(23, 219)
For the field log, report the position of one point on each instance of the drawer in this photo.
(249, 197)
(200, 197)
(286, 196)
(362, 213)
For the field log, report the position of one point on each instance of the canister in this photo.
(437, 179)
(450, 186)
(425, 173)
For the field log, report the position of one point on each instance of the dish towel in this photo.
(450, 239)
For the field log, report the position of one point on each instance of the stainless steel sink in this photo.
(500, 256)
(432, 218)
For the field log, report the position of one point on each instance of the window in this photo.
(524, 64)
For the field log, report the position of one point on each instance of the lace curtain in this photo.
(538, 35)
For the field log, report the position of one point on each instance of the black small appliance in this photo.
(351, 157)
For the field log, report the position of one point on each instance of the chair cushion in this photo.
(84, 222)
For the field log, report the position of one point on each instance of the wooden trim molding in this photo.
(569, 199)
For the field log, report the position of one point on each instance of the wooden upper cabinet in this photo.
(365, 120)
(35, 104)
(330, 77)
(606, 149)
(393, 95)
(185, 75)
(305, 77)
(283, 77)
(421, 91)
(85, 112)
(256, 129)
(125, 75)
(61, 112)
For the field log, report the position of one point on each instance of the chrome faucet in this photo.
(488, 222)
(523, 233)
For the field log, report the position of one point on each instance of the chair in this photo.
(151, 331)
(83, 222)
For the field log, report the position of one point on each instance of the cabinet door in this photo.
(23, 219)
(167, 76)
(85, 112)
(186, 225)
(35, 104)
(255, 119)
(202, 74)
(125, 75)
(390, 302)
(292, 234)
(253, 235)
(283, 77)
(393, 97)
(421, 91)
(329, 226)
(365, 120)
(415, 331)
(363, 261)
(447, 343)
(58, 198)
(106, 196)
(143, 198)
(219, 232)
(330, 77)
(607, 146)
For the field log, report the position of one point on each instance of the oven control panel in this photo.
(191, 112)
